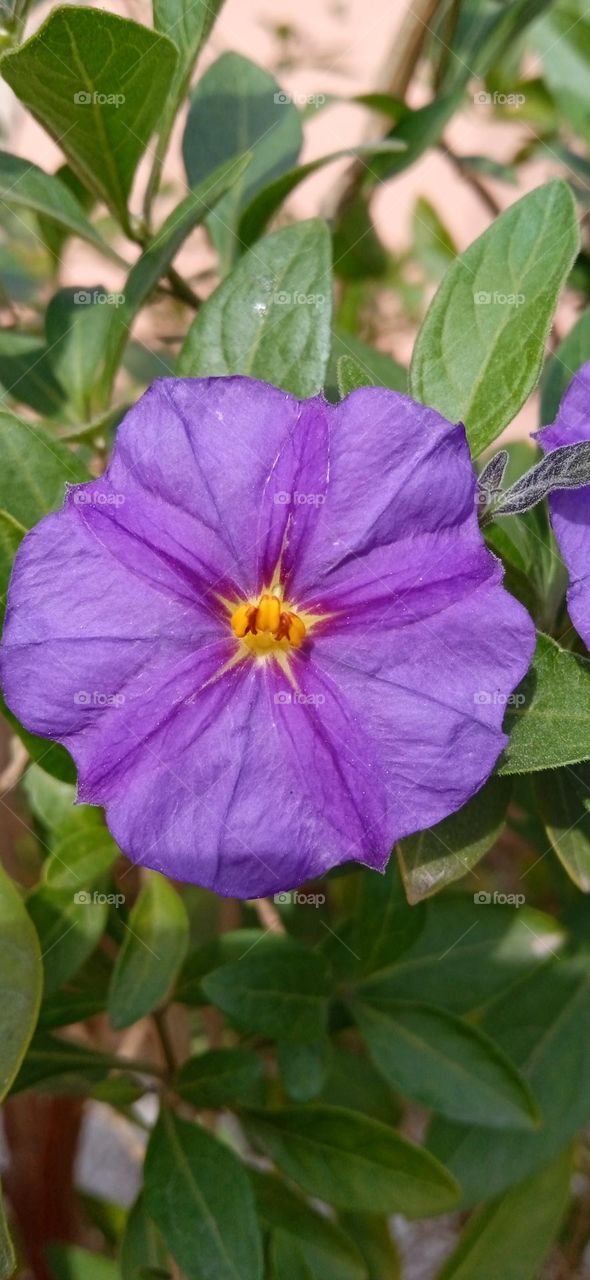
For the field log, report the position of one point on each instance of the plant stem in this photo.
(159, 1019)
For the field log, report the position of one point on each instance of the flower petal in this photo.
(570, 509)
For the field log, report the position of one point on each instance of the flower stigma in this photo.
(269, 627)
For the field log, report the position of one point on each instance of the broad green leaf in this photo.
(258, 213)
(7, 1255)
(468, 953)
(21, 980)
(417, 131)
(69, 1262)
(220, 1077)
(271, 317)
(351, 1161)
(355, 1084)
(304, 1067)
(226, 948)
(563, 801)
(157, 258)
(83, 850)
(188, 23)
(51, 799)
(237, 106)
(562, 41)
(24, 186)
(440, 1060)
(154, 947)
(480, 349)
(12, 533)
(484, 35)
(373, 1238)
(434, 246)
(97, 83)
(510, 1236)
(77, 325)
(304, 1243)
(199, 1196)
(385, 924)
(61, 1066)
(543, 1024)
(571, 354)
(444, 853)
(549, 716)
(350, 376)
(279, 989)
(142, 1246)
(380, 370)
(35, 470)
(50, 756)
(69, 925)
(26, 373)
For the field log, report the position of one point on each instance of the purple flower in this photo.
(270, 635)
(570, 508)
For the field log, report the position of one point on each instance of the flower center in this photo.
(268, 626)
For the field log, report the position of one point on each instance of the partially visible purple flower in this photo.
(271, 634)
(570, 508)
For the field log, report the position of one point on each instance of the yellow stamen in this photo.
(268, 627)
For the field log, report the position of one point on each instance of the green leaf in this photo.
(510, 1236)
(7, 1254)
(187, 23)
(50, 756)
(77, 323)
(220, 1078)
(350, 376)
(543, 1024)
(68, 1262)
(237, 106)
(549, 716)
(69, 926)
(480, 349)
(373, 1238)
(199, 1196)
(379, 368)
(24, 186)
(21, 980)
(266, 203)
(467, 955)
(417, 131)
(385, 925)
(437, 856)
(226, 948)
(11, 536)
(572, 352)
(26, 373)
(563, 801)
(351, 1161)
(434, 246)
(51, 799)
(61, 1066)
(485, 34)
(83, 850)
(304, 1067)
(97, 83)
(355, 1084)
(304, 1243)
(152, 953)
(280, 989)
(446, 1064)
(567, 467)
(562, 41)
(157, 258)
(271, 317)
(35, 470)
(142, 1246)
